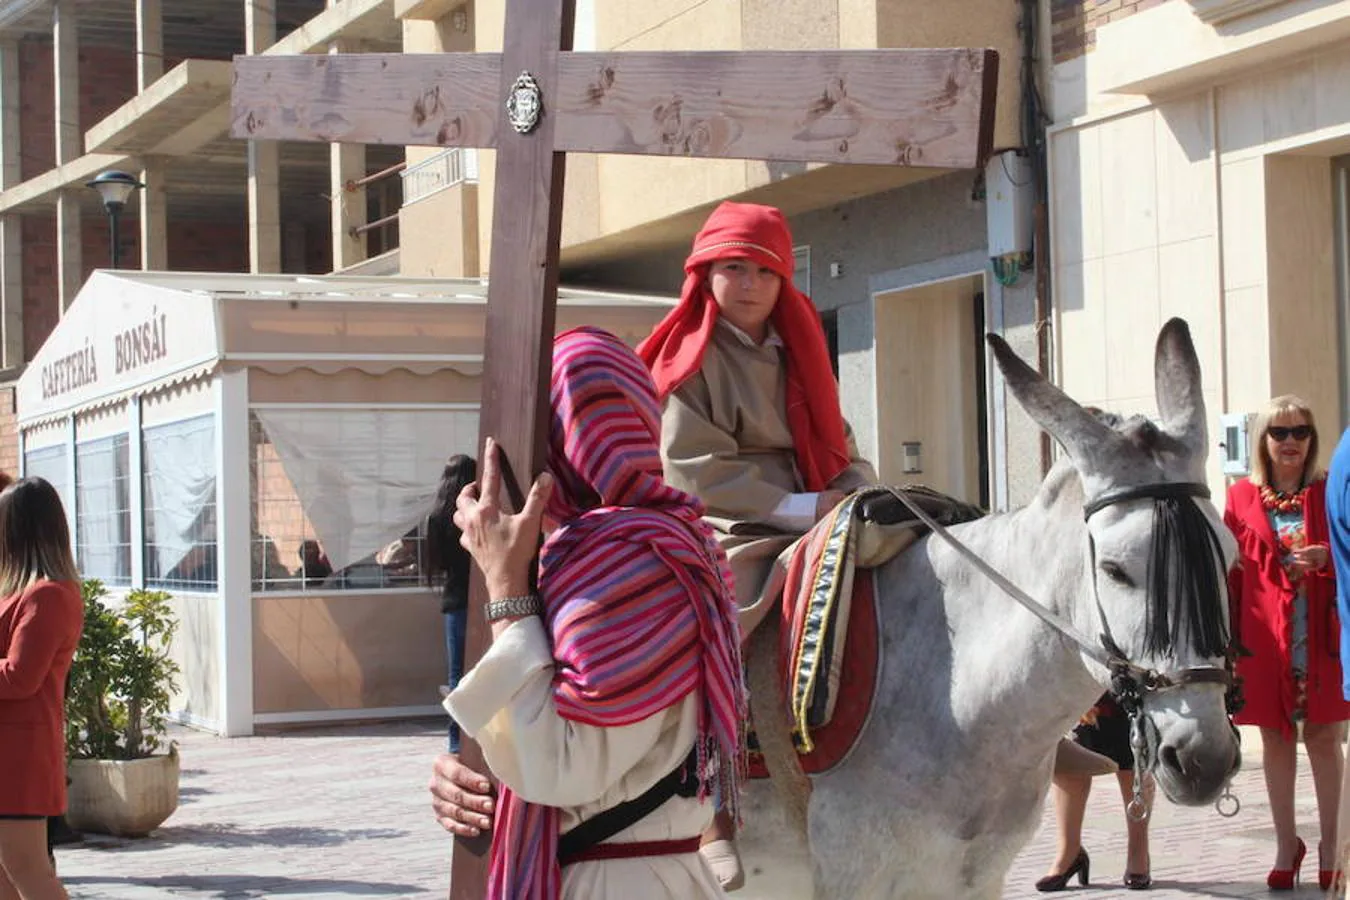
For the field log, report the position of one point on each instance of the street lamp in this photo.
(115, 188)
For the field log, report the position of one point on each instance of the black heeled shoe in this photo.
(1137, 881)
(1078, 867)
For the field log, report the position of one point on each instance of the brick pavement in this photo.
(343, 812)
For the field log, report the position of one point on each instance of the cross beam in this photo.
(889, 107)
(907, 107)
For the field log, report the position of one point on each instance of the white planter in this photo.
(127, 798)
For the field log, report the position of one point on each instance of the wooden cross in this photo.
(536, 101)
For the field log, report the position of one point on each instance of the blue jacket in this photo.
(1338, 515)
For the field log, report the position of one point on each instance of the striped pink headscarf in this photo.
(636, 593)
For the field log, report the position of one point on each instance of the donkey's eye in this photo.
(1117, 574)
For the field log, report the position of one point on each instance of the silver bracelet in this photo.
(514, 607)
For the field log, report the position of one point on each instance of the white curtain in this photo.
(49, 463)
(180, 498)
(365, 476)
(103, 507)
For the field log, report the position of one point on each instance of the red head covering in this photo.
(674, 350)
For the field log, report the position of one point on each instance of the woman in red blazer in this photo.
(41, 615)
(1283, 596)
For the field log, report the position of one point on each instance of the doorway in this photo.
(931, 423)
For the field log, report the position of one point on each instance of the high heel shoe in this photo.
(1078, 867)
(1137, 881)
(1285, 879)
(1326, 878)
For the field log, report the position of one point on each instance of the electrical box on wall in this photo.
(1009, 199)
(1235, 443)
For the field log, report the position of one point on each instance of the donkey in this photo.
(949, 776)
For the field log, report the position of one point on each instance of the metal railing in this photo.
(455, 165)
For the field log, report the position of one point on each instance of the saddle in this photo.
(829, 649)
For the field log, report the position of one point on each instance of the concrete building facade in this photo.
(1197, 169)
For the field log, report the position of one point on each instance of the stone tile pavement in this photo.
(343, 813)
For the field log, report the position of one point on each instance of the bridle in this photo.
(1131, 683)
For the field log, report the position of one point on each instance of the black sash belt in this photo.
(683, 782)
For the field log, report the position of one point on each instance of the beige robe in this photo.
(725, 439)
(506, 704)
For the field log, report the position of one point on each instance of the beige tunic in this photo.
(506, 704)
(725, 439)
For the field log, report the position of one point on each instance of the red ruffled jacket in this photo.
(1262, 601)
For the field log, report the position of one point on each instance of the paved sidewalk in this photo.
(343, 813)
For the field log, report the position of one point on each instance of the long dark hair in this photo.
(442, 542)
(34, 536)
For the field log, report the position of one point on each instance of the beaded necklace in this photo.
(1281, 502)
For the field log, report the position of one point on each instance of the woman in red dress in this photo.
(41, 615)
(1283, 595)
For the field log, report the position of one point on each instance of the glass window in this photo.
(179, 483)
(50, 463)
(340, 495)
(103, 509)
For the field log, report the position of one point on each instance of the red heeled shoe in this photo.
(1285, 879)
(1326, 878)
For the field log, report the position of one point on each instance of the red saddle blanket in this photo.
(828, 657)
(830, 652)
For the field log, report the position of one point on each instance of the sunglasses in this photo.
(1298, 432)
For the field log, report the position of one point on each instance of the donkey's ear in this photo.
(1084, 436)
(1176, 381)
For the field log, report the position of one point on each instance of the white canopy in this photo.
(129, 332)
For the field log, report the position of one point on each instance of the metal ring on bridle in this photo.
(1227, 797)
(1137, 809)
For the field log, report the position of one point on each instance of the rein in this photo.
(1130, 682)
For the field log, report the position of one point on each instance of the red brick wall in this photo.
(278, 515)
(9, 434)
(107, 80)
(1074, 23)
(193, 247)
(40, 309)
(207, 247)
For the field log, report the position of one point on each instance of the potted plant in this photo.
(117, 698)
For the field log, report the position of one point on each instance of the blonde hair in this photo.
(34, 537)
(1285, 404)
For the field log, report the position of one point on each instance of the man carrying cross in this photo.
(610, 702)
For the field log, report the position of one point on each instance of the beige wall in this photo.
(1215, 206)
(346, 651)
(1302, 284)
(926, 388)
(1169, 51)
(438, 234)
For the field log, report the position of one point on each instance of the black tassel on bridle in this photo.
(1185, 589)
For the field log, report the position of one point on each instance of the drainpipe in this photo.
(1034, 120)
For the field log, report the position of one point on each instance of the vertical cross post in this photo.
(522, 300)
